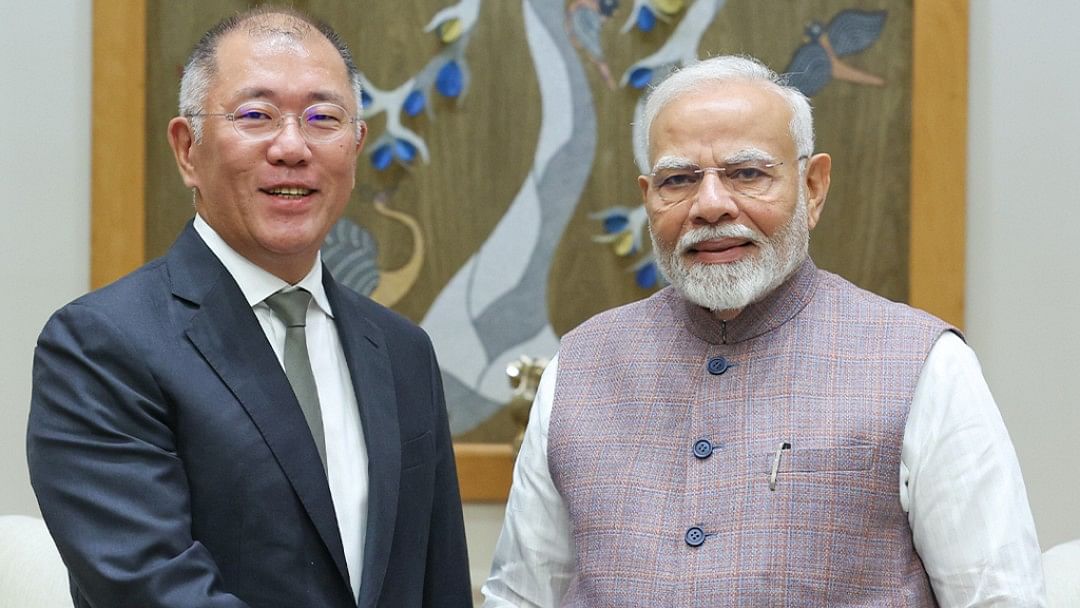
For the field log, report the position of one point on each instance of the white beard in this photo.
(735, 285)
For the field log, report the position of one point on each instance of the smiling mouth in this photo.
(289, 191)
(716, 247)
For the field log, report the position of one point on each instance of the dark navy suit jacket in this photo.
(174, 467)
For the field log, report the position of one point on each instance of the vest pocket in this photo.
(811, 460)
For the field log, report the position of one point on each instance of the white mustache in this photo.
(708, 233)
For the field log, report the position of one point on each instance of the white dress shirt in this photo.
(346, 451)
(959, 481)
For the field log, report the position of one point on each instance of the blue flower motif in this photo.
(615, 222)
(450, 80)
(623, 228)
(646, 19)
(405, 151)
(646, 275)
(414, 103)
(365, 99)
(640, 78)
(381, 157)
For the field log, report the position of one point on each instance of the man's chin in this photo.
(716, 287)
(718, 272)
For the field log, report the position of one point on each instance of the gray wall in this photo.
(1023, 211)
(1023, 250)
(45, 173)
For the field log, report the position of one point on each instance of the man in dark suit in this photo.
(176, 459)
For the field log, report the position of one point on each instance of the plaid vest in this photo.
(665, 431)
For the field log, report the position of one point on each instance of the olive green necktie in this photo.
(291, 307)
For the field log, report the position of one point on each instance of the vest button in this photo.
(695, 537)
(703, 448)
(718, 365)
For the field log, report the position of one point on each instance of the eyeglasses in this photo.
(257, 120)
(751, 179)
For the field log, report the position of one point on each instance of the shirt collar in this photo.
(256, 283)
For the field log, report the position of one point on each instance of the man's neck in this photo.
(726, 315)
(254, 280)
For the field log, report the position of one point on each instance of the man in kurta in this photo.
(761, 432)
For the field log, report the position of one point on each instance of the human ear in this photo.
(643, 183)
(181, 140)
(361, 135)
(818, 174)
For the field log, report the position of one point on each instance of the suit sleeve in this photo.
(103, 464)
(446, 583)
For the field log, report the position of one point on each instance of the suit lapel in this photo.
(372, 376)
(227, 334)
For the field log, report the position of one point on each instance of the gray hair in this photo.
(727, 68)
(201, 65)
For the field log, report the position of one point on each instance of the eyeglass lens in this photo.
(748, 179)
(320, 122)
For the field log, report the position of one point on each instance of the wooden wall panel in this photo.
(922, 260)
(117, 140)
(938, 158)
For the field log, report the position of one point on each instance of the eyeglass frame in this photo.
(721, 172)
(281, 116)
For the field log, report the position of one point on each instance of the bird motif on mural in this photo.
(351, 253)
(817, 62)
(584, 18)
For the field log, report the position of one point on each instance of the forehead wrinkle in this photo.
(265, 93)
(330, 96)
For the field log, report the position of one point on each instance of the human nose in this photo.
(289, 146)
(714, 200)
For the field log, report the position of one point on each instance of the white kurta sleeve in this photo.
(534, 557)
(961, 486)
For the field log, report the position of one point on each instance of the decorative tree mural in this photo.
(497, 204)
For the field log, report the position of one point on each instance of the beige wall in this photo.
(1023, 213)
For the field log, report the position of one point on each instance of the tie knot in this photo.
(290, 306)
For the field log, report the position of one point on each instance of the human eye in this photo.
(748, 173)
(253, 114)
(328, 117)
(681, 178)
